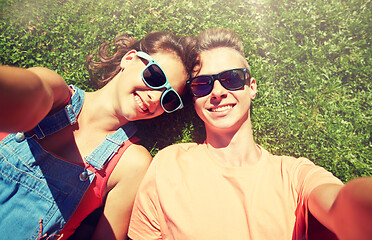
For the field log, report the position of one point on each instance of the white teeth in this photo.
(221, 109)
(140, 103)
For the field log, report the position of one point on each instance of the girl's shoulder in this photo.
(135, 160)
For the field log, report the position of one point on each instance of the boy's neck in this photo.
(236, 148)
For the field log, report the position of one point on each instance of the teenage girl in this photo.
(65, 152)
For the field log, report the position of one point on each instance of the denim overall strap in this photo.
(107, 149)
(46, 189)
(64, 117)
(38, 191)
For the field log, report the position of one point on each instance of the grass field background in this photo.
(311, 59)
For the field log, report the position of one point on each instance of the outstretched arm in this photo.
(27, 95)
(345, 210)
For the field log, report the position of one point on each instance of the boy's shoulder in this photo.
(179, 147)
(178, 151)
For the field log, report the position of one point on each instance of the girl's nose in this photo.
(154, 99)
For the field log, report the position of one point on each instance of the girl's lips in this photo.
(140, 103)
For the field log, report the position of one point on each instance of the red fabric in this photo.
(93, 197)
(3, 135)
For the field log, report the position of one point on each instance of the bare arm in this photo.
(118, 207)
(27, 95)
(345, 210)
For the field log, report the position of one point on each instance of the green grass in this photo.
(311, 59)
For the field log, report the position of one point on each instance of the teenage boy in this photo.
(231, 188)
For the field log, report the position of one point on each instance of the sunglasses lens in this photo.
(170, 101)
(154, 76)
(233, 79)
(201, 86)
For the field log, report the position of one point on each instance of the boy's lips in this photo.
(221, 108)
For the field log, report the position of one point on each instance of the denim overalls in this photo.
(38, 191)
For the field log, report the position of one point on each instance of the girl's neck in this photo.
(99, 112)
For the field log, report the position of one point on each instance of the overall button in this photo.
(84, 176)
(19, 137)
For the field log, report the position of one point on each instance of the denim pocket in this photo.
(25, 201)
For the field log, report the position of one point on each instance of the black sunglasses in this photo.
(232, 79)
(154, 77)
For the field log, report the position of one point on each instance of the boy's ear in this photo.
(127, 58)
(197, 67)
(253, 87)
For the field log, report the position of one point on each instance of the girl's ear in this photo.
(127, 58)
(253, 87)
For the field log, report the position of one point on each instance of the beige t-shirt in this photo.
(186, 194)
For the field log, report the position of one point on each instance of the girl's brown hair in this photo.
(109, 55)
